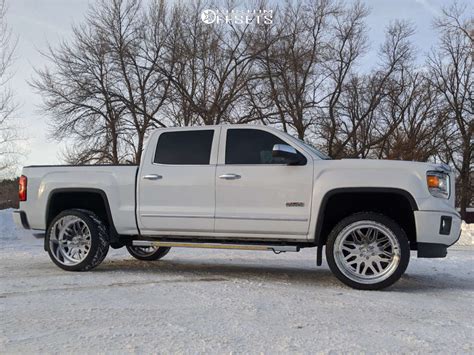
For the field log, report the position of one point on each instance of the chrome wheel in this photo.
(147, 253)
(367, 252)
(144, 251)
(70, 240)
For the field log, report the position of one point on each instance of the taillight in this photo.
(22, 184)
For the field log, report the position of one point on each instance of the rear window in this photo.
(184, 148)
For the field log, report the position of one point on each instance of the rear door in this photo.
(255, 193)
(176, 190)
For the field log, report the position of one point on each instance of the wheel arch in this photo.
(94, 200)
(370, 200)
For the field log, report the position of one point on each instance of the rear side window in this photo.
(251, 146)
(184, 148)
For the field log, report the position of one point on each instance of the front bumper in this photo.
(435, 232)
(20, 219)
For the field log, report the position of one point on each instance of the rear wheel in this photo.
(77, 240)
(368, 251)
(148, 253)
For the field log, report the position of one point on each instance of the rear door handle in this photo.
(229, 176)
(153, 177)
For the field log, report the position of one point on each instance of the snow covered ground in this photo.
(226, 301)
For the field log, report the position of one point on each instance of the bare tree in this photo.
(451, 73)
(136, 38)
(104, 89)
(213, 66)
(347, 44)
(77, 94)
(412, 108)
(353, 124)
(290, 65)
(9, 135)
(453, 20)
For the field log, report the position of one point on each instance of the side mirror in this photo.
(286, 153)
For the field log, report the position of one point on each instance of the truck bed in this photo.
(116, 181)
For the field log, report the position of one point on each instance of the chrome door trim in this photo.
(296, 219)
(174, 216)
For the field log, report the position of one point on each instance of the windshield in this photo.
(319, 154)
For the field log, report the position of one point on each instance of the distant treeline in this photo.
(8, 193)
(132, 66)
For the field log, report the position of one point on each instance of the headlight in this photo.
(438, 183)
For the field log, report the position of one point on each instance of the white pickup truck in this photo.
(244, 187)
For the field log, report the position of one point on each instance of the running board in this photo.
(274, 248)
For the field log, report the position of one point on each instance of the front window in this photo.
(252, 146)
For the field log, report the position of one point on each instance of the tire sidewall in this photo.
(388, 223)
(92, 258)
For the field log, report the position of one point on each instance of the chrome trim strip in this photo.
(173, 216)
(253, 232)
(302, 219)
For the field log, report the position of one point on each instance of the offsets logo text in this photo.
(237, 17)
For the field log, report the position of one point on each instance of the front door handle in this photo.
(153, 177)
(229, 176)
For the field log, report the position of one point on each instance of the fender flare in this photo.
(318, 240)
(113, 232)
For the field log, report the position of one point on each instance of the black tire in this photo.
(343, 227)
(99, 240)
(140, 253)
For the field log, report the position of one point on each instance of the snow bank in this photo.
(7, 227)
(13, 237)
(467, 234)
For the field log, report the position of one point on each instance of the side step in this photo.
(274, 248)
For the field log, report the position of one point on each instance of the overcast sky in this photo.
(39, 22)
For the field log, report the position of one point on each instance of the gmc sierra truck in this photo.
(244, 187)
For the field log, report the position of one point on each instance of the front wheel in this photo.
(148, 253)
(367, 251)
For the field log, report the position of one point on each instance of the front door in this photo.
(177, 182)
(256, 194)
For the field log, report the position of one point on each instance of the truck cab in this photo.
(225, 181)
